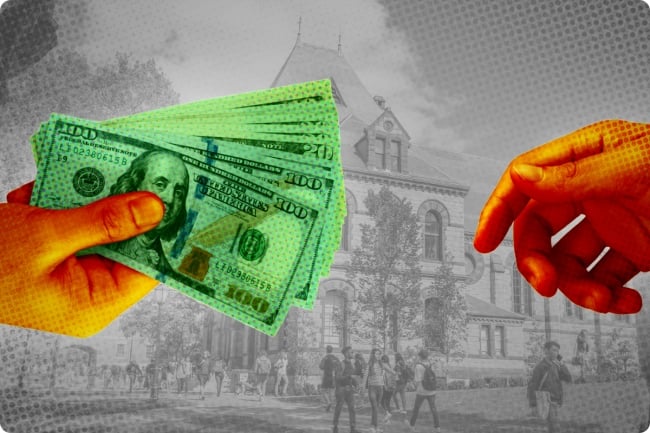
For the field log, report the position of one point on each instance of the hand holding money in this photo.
(45, 287)
(251, 185)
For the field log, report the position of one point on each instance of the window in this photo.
(434, 336)
(522, 293)
(380, 151)
(499, 341)
(395, 158)
(120, 350)
(568, 307)
(149, 352)
(579, 312)
(484, 341)
(333, 314)
(432, 236)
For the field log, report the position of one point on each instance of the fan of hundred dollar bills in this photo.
(252, 186)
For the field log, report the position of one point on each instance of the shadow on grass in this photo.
(471, 423)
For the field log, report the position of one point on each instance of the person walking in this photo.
(548, 375)
(262, 370)
(281, 374)
(403, 376)
(346, 383)
(328, 365)
(183, 372)
(374, 382)
(390, 381)
(203, 373)
(219, 373)
(132, 371)
(360, 367)
(425, 381)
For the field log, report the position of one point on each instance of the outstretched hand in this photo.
(601, 171)
(44, 286)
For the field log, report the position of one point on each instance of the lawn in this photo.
(614, 407)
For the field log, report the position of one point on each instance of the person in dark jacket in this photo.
(548, 375)
(328, 365)
(346, 382)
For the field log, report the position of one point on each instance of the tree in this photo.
(535, 347)
(63, 81)
(299, 335)
(385, 270)
(445, 324)
(619, 353)
(177, 327)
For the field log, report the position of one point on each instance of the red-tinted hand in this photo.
(44, 286)
(601, 171)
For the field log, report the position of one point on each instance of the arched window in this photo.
(432, 236)
(334, 318)
(522, 293)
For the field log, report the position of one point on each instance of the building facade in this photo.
(447, 190)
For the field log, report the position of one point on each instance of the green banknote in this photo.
(313, 113)
(277, 98)
(228, 239)
(303, 172)
(321, 177)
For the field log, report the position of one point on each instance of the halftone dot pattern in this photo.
(572, 42)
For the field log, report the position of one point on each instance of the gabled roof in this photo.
(308, 62)
(359, 110)
(479, 308)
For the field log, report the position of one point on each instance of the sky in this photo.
(493, 78)
(490, 78)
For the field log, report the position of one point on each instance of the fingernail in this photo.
(146, 211)
(528, 172)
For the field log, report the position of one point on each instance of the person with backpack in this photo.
(328, 364)
(262, 370)
(425, 382)
(404, 376)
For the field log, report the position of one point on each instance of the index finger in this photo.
(506, 202)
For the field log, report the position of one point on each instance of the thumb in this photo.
(105, 221)
(619, 172)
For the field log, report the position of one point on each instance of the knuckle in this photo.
(568, 170)
(113, 223)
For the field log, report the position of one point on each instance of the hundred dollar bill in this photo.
(322, 179)
(280, 97)
(318, 113)
(227, 239)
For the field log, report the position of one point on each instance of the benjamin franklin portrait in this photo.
(164, 174)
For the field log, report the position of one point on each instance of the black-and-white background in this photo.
(486, 78)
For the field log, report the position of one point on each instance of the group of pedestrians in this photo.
(384, 383)
(265, 369)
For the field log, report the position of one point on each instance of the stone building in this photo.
(448, 190)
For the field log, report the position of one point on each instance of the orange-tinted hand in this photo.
(44, 286)
(601, 171)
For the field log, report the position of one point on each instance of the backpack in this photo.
(408, 374)
(428, 378)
